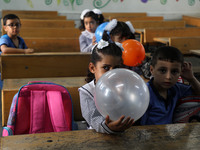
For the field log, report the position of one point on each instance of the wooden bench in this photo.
(129, 15)
(191, 20)
(183, 136)
(53, 44)
(150, 33)
(49, 32)
(145, 18)
(25, 14)
(11, 87)
(141, 25)
(41, 65)
(39, 23)
(184, 44)
(158, 24)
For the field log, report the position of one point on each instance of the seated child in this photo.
(167, 65)
(105, 56)
(119, 32)
(89, 23)
(11, 43)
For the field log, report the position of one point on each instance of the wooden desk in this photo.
(156, 137)
(195, 52)
(164, 40)
(11, 87)
(184, 44)
(27, 32)
(44, 65)
(43, 45)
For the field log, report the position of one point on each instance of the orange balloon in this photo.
(134, 52)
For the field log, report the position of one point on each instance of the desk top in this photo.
(15, 84)
(139, 31)
(48, 54)
(165, 137)
(164, 40)
(196, 52)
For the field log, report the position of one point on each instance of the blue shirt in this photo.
(160, 111)
(5, 40)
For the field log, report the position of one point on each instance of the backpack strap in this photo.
(37, 112)
(56, 110)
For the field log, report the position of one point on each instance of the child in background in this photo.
(167, 65)
(89, 23)
(11, 43)
(120, 31)
(105, 56)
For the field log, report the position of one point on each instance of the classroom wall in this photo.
(170, 9)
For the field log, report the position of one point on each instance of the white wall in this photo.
(170, 9)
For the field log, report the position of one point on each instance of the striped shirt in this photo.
(89, 110)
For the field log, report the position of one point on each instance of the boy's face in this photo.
(165, 74)
(12, 27)
(90, 24)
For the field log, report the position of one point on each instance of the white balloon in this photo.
(121, 92)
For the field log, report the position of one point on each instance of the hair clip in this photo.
(111, 25)
(102, 44)
(97, 11)
(119, 45)
(83, 13)
(130, 26)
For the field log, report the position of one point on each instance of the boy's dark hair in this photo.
(167, 53)
(88, 14)
(123, 30)
(9, 16)
(112, 49)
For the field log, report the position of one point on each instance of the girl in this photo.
(105, 56)
(120, 31)
(89, 23)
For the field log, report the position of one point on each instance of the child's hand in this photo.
(187, 71)
(29, 50)
(94, 40)
(119, 125)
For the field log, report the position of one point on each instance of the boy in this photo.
(167, 65)
(11, 43)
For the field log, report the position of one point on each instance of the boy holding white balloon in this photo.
(105, 56)
(167, 65)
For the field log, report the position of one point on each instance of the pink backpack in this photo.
(40, 107)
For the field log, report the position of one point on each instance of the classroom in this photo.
(50, 51)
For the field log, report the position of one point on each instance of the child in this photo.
(89, 23)
(11, 43)
(167, 65)
(120, 31)
(105, 56)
